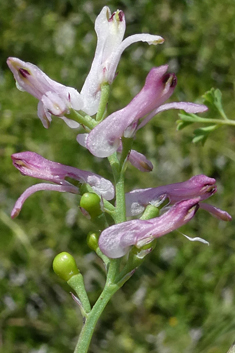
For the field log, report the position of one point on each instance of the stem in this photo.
(76, 282)
(105, 90)
(120, 200)
(92, 318)
(218, 121)
(120, 212)
(86, 120)
(214, 121)
(222, 113)
(111, 286)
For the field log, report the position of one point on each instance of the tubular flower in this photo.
(115, 241)
(110, 30)
(198, 186)
(105, 138)
(34, 165)
(54, 98)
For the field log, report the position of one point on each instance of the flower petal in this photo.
(216, 212)
(142, 37)
(38, 187)
(186, 106)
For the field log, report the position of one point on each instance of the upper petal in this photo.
(186, 106)
(115, 57)
(198, 186)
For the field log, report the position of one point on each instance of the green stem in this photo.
(76, 282)
(120, 200)
(105, 90)
(214, 121)
(126, 147)
(118, 168)
(120, 211)
(222, 113)
(85, 121)
(92, 318)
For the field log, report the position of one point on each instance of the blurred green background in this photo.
(182, 298)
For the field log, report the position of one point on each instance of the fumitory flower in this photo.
(110, 29)
(105, 138)
(54, 98)
(34, 165)
(116, 240)
(198, 186)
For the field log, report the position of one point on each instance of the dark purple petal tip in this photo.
(24, 72)
(171, 77)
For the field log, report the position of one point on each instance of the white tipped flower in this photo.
(54, 98)
(110, 29)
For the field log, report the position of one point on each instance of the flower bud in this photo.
(91, 203)
(65, 266)
(92, 240)
(151, 211)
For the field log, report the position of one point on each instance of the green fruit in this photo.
(65, 266)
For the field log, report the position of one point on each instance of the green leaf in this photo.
(202, 133)
(182, 124)
(213, 99)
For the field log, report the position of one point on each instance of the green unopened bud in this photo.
(91, 203)
(92, 240)
(150, 212)
(65, 266)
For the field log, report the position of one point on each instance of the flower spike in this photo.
(54, 98)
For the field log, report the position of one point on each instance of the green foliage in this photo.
(213, 100)
(182, 298)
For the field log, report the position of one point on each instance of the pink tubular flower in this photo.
(115, 241)
(54, 98)
(110, 29)
(34, 165)
(105, 138)
(198, 186)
